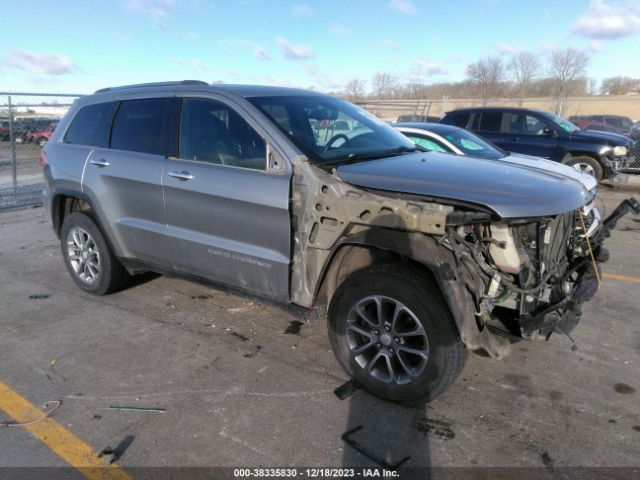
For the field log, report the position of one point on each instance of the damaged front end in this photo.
(530, 277)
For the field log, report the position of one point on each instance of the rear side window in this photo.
(90, 126)
(491, 121)
(137, 126)
(460, 119)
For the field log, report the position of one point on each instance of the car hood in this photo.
(596, 135)
(510, 190)
(588, 181)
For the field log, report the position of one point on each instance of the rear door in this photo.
(488, 124)
(125, 180)
(227, 211)
(528, 134)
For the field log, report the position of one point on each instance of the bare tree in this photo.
(355, 89)
(383, 84)
(565, 66)
(487, 74)
(524, 67)
(619, 85)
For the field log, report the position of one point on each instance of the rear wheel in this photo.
(393, 333)
(88, 258)
(587, 165)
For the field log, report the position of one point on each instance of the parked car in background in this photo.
(606, 123)
(4, 130)
(412, 257)
(41, 134)
(544, 134)
(438, 137)
(24, 127)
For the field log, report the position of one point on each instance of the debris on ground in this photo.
(108, 455)
(38, 296)
(241, 309)
(549, 462)
(51, 405)
(346, 389)
(624, 388)
(294, 327)
(136, 409)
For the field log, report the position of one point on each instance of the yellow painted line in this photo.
(624, 278)
(57, 438)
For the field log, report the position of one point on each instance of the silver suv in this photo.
(413, 257)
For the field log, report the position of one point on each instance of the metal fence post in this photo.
(14, 163)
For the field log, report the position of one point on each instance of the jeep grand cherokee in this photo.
(413, 257)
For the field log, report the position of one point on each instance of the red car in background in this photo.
(42, 136)
(604, 123)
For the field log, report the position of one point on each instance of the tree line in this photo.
(559, 73)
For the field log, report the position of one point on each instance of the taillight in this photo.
(43, 158)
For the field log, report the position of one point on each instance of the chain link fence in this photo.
(27, 121)
(634, 154)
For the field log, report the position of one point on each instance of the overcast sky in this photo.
(70, 46)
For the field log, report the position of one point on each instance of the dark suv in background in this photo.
(544, 134)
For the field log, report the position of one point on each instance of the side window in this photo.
(427, 143)
(137, 126)
(210, 131)
(491, 122)
(90, 126)
(460, 119)
(522, 124)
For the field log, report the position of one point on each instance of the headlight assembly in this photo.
(619, 151)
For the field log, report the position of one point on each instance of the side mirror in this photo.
(549, 132)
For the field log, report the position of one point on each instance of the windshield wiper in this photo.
(356, 157)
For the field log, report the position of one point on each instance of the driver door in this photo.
(227, 213)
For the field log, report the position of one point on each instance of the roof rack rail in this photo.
(153, 84)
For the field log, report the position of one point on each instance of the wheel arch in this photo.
(381, 244)
(583, 153)
(64, 202)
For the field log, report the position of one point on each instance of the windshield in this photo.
(329, 130)
(565, 125)
(471, 144)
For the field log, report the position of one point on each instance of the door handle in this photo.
(184, 176)
(99, 162)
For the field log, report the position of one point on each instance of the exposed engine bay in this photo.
(530, 277)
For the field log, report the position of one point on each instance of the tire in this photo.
(442, 355)
(88, 258)
(587, 165)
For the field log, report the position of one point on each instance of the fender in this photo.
(441, 263)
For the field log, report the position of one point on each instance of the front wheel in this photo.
(587, 165)
(392, 331)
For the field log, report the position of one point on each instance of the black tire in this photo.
(111, 274)
(596, 168)
(416, 290)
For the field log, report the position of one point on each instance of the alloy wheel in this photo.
(83, 255)
(584, 168)
(387, 340)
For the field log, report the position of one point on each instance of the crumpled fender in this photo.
(442, 264)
